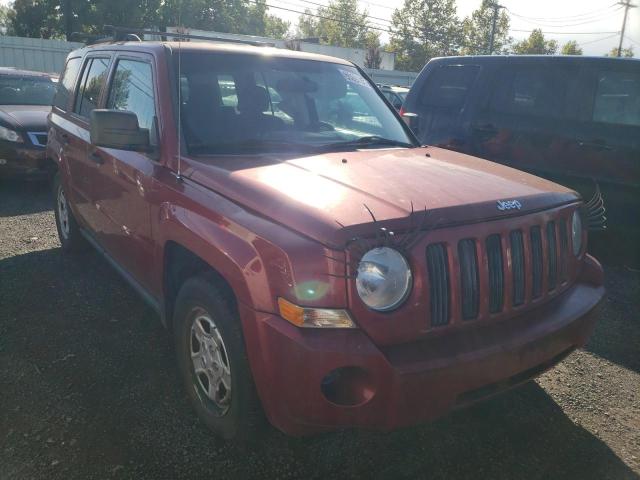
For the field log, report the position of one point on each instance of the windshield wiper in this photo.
(370, 141)
(248, 145)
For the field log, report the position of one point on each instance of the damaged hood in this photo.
(327, 197)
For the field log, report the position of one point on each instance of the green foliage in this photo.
(373, 57)
(423, 29)
(535, 45)
(571, 48)
(341, 23)
(6, 27)
(626, 52)
(46, 18)
(36, 18)
(275, 27)
(477, 31)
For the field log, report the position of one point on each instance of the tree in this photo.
(423, 29)
(6, 27)
(36, 18)
(341, 23)
(307, 25)
(626, 52)
(275, 27)
(373, 57)
(54, 18)
(477, 30)
(571, 48)
(535, 45)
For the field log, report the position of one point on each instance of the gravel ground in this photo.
(88, 389)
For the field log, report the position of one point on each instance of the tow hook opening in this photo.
(348, 386)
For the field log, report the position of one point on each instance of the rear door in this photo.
(84, 171)
(126, 176)
(522, 121)
(608, 139)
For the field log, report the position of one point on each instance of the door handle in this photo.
(486, 128)
(96, 157)
(595, 144)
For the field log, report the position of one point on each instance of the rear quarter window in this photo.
(448, 86)
(617, 98)
(66, 85)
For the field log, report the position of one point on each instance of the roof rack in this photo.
(118, 34)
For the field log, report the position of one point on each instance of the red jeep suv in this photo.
(310, 258)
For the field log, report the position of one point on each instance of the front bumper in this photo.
(18, 159)
(405, 384)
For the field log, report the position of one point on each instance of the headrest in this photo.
(254, 99)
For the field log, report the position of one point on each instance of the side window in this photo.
(448, 86)
(132, 90)
(617, 99)
(93, 78)
(531, 91)
(66, 84)
(227, 86)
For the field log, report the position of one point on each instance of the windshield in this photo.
(27, 90)
(237, 103)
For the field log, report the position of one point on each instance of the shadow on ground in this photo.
(90, 391)
(22, 197)
(617, 333)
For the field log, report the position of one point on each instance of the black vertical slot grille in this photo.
(469, 278)
(536, 262)
(552, 255)
(564, 250)
(438, 267)
(496, 273)
(517, 266)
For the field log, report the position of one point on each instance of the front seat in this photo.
(252, 103)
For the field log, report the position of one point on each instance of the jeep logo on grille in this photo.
(509, 204)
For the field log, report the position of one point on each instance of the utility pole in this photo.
(496, 8)
(627, 5)
(68, 18)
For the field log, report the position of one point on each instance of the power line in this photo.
(598, 39)
(554, 25)
(324, 6)
(563, 33)
(567, 17)
(324, 17)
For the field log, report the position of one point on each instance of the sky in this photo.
(565, 16)
(594, 24)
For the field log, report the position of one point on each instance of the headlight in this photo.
(576, 233)
(10, 135)
(384, 279)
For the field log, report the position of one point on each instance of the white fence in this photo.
(49, 56)
(35, 53)
(392, 77)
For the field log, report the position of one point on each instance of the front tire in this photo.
(69, 233)
(213, 363)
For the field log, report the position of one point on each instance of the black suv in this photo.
(574, 120)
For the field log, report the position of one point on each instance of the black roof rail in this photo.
(119, 34)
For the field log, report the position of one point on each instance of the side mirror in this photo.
(118, 129)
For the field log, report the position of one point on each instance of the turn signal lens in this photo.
(314, 317)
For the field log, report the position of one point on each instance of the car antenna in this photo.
(179, 175)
